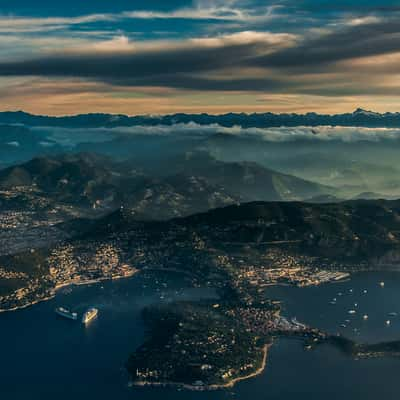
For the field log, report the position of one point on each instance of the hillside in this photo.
(248, 180)
(225, 242)
(176, 188)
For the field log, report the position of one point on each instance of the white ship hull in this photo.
(66, 313)
(89, 315)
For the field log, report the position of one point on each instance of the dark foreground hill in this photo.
(352, 235)
(355, 230)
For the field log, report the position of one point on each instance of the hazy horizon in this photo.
(216, 113)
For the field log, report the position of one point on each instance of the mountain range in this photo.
(359, 117)
(343, 162)
(189, 184)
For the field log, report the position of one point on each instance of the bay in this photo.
(45, 357)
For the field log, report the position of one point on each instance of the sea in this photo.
(44, 356)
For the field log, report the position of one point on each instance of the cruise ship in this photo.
(89, 315)
(66, 313)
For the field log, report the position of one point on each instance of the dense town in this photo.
(29, 220)
(120, 254)
(65, 265)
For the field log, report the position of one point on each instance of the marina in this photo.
(354, 313)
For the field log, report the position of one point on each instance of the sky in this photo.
(215, 56)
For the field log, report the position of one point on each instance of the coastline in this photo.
(212, 387)
(2, 310)
(67, 284)
(93, 281)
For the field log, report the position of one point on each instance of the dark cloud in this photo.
(351, 42)
(251, 63)
(131, 64)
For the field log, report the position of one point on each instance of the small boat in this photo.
(388, 322)
(382, 284)
(352, 311)
(393, 314)
(365, 291)
(365, 317)
(356, 305)
(343, 326)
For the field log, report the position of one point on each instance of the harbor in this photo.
(119, 330)
(366, 312)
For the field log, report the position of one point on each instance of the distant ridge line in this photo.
(360, 118)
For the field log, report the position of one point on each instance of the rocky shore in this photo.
(204, 387)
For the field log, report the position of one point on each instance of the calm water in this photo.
(362, 294)
(46, 357)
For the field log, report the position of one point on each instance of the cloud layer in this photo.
(74, 136)
(234, 48)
